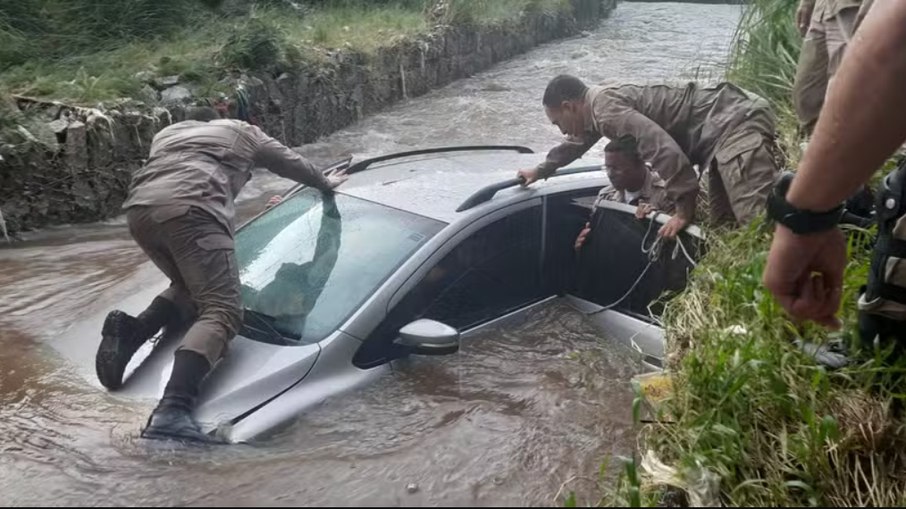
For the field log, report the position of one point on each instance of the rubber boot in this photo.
(122, 335)
(172, 419)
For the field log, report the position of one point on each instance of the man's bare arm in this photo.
(863, 121)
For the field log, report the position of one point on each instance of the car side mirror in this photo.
(429, 337)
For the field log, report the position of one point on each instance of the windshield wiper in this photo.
(275, 333)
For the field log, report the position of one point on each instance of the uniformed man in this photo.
(633, 181)
(828, 27)
(724, 129)
(180, 211)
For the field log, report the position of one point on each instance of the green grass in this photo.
(747, 407)
(205, 44)
(493, 11)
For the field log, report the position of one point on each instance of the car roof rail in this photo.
(486, 193)
(363, 165)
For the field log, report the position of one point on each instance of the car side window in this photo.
(492, 272)
(567, 214)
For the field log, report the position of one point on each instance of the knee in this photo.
(227, 316)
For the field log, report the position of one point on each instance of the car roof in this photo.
(435, 185)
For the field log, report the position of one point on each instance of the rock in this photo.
(148, 94)
(578, 54)
(58, 126)
(412, 488)
(168, 81)
(144, 76)
(76, 148)
(175, 94)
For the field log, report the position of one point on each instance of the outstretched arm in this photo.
(283, 161)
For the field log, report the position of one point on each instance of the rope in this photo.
(654, 253)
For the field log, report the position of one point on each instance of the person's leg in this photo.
(839, 34)
(203, 251)
(810, 83)
(122, 334)
(748, 165)
(720, 210)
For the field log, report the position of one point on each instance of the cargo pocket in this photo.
(737, 145)
(219, 248)
(215, 242)
(747, 172)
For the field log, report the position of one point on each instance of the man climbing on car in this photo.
(633, 182)
(180, 211)
(725, 130)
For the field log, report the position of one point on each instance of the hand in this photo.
(673, 227)
(805, 274)
(528, 176)
(643, 210)
(804, 16)
(273, 201)
(337, 178)
(580, 240)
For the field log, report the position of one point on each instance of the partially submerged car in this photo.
(414, 253)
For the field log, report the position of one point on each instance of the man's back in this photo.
(694, 117)
(206, 164)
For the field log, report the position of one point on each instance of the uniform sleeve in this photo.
(280, 159)
(656, 147)
(565, 153)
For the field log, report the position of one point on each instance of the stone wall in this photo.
(67, 164)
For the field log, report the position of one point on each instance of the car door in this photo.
(487, 272)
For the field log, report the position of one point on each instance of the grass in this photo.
(205, 45)
(750, 419)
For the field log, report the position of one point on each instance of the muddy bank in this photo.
(64, 164)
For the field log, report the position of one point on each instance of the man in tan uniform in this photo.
(633, 182)
(724, 128)
(828, 27)
(180, 211)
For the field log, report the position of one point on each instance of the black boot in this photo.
(122, 335)
(172, 419)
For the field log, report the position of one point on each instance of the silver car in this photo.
(414, 253)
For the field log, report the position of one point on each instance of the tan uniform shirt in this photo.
(676, 127)
(653, 192)
(826, 9)
(206, 164)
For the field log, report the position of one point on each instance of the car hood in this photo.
(250, 374)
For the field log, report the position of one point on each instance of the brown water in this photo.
(520, 413)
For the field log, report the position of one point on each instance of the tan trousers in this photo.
(743, 171)
(196, 252)
(820, 57)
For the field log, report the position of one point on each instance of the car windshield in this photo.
(307, 264)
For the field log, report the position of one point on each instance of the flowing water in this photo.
(521, 414)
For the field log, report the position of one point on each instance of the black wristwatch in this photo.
(801, 222)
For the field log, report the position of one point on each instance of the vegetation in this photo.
(750, 419)
(92, 50)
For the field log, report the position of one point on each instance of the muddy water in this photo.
(520, 413)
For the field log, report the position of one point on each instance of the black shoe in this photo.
(121, 337)
(175, 423)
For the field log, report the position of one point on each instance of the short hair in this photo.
(563, 88)
(202, 113)
(626, 144)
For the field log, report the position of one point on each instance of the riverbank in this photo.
(749, 419)
(67, 151)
